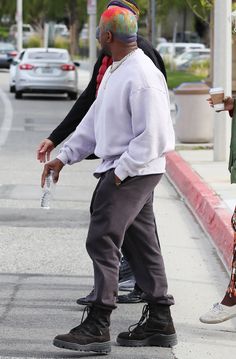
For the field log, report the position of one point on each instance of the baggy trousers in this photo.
(125, 211)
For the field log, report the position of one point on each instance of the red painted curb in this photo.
(204, 202)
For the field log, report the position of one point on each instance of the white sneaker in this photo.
(127, 285)
(218, 314)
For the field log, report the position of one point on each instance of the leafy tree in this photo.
(201, 8)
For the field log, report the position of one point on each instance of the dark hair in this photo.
(123, 4)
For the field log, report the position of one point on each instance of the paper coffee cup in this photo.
(217, 96)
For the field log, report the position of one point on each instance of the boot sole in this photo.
(102, 348)
(157, 340)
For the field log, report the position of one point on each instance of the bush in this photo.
(175, 78)
(61, 43)
(200, 68)
(4, 33)
(33, 41)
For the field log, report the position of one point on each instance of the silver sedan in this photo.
(44, 70)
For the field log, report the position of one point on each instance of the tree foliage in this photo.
(201, 8)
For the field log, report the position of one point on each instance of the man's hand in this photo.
(44, 150)
(55, 166)
(228, 101)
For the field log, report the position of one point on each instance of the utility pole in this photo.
(19, 10)
(222, 73)
(92, 12)
(46, 35)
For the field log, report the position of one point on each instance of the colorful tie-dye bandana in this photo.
(121, 22)
(125, 4)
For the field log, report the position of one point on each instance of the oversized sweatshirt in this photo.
(86, 99)
(129, 125)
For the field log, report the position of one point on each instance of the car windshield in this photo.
(6, 46)
(26, 29)
(47, 55)
(164, 50)
(189, 55)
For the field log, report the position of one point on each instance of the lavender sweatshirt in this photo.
(129, 125)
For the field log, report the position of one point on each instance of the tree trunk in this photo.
(149, 21)
(74, 25)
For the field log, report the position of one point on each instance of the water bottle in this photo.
(47, 191)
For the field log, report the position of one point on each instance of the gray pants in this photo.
(125, 212)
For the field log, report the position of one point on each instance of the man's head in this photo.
(119, 24)
(126, 4)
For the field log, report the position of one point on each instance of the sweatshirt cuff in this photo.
(63, 158)
(121, 173)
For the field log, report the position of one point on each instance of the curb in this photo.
(205, 204)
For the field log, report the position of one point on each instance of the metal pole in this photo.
(153, 17)
(92, 11)
(222, 73)
(46, 34)
(19, 7)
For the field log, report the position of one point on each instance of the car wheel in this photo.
(12, 89)
(72, 95)
(18, 94)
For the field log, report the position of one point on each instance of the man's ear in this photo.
(109, 36)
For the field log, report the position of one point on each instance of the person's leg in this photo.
(135, 295)
(155, 326)
(113, 211)
(226, 309)
(230, 296)
(141, 237)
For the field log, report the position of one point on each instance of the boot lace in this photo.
(143, 318)
(87, 323)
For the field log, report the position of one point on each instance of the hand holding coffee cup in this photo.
(217, 97)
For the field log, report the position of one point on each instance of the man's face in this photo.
(103, 38)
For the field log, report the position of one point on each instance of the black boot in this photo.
(155, 328)
(91, 335)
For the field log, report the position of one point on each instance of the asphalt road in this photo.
(44, 267)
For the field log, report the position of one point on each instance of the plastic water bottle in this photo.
(47, 191)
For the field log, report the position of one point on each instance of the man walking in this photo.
(75, 116)
(130, 129)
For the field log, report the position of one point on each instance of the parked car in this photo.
(169, 50)
(44, 70)
(182, 61)
(27, 32)
(160, 40)
(7, 53)
(12, 71)
(187, 36)
(199, 62)
(61, 30)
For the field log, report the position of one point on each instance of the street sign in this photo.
(91, 7)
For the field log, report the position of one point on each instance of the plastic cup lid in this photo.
(216, 90)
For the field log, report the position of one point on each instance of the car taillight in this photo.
(68, 67)
(26, 67)
(12, 53)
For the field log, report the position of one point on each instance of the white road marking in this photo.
(7, 120)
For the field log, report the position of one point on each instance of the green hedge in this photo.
(175, 78)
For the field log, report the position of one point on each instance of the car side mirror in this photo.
(10, 60)
(76, 63)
